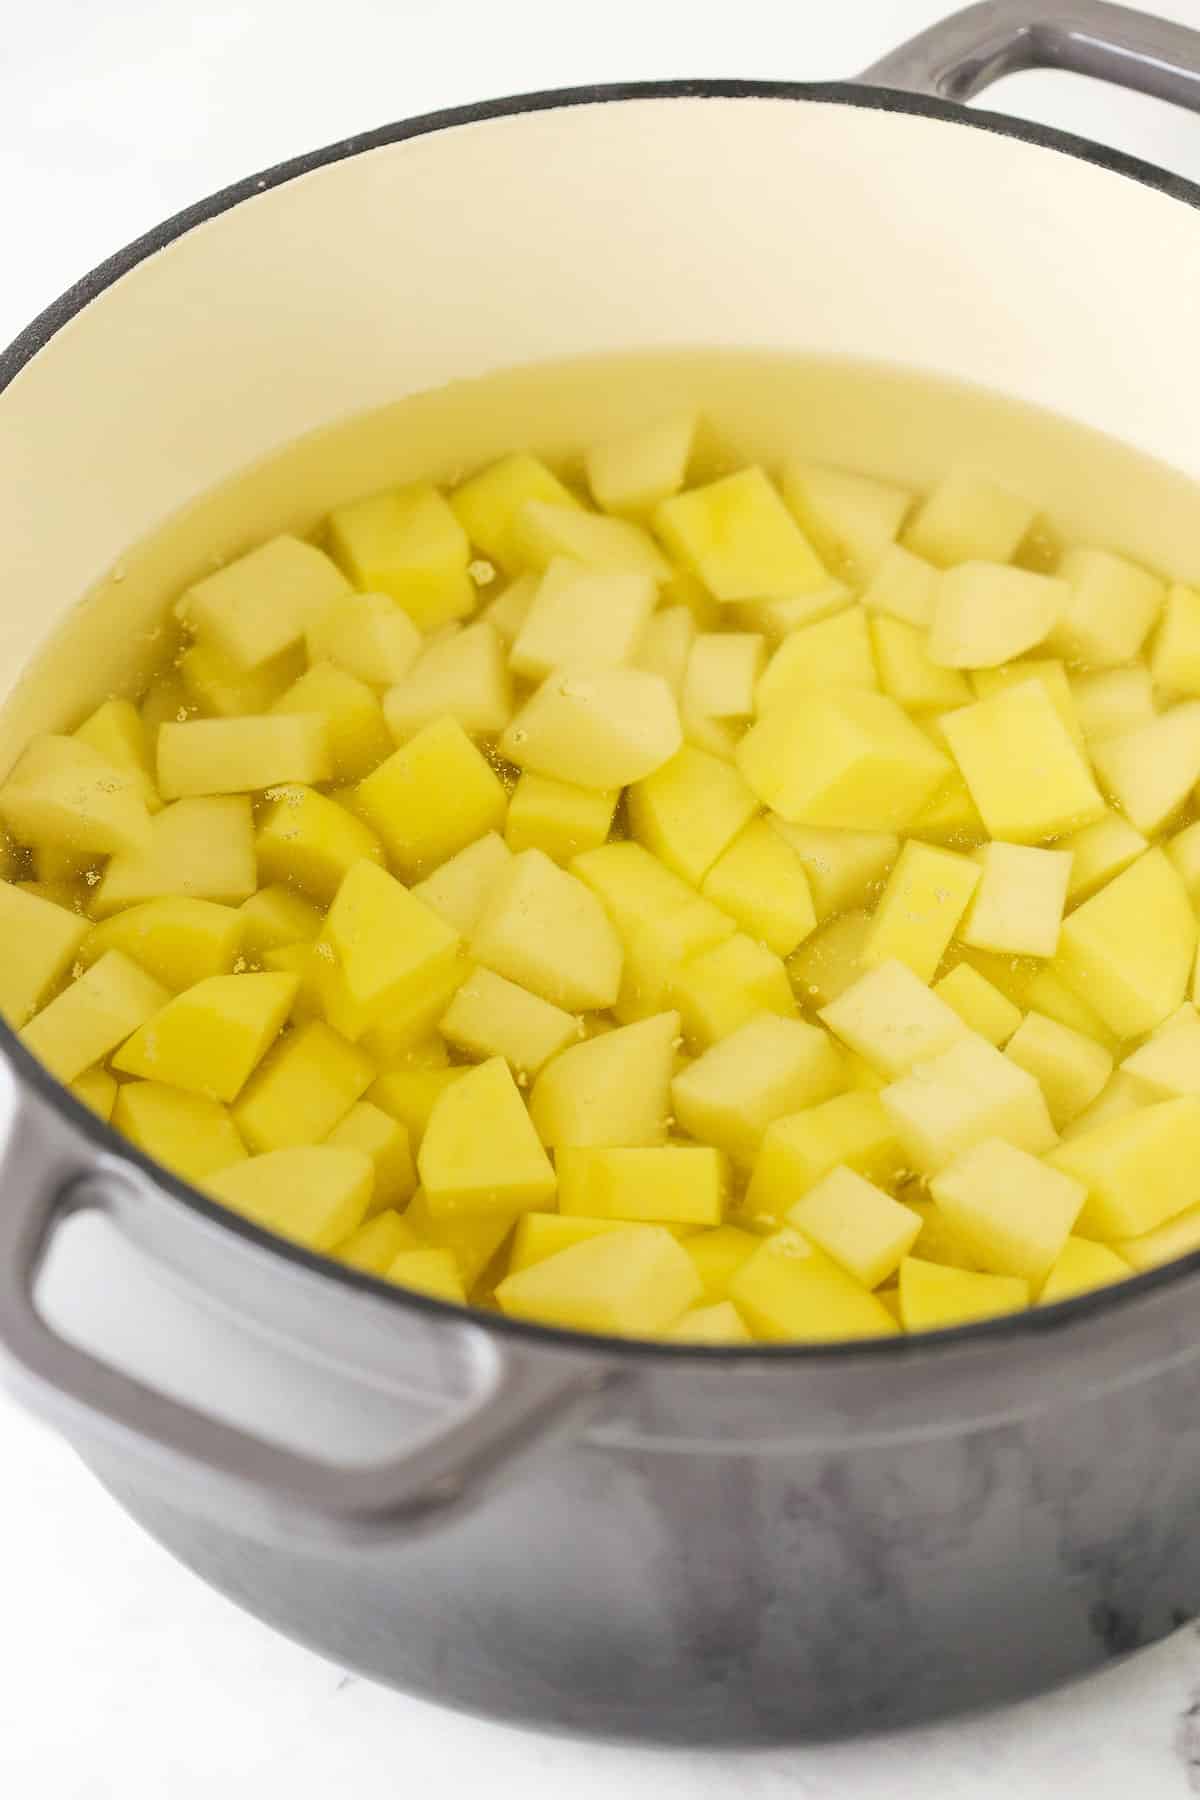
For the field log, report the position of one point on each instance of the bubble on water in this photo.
(118, 573)
(522, 1078)
(77, 969)
(91, 876)
(325, 951)
(240, 965)
(519, 735)
(182, 716)
(481, 572)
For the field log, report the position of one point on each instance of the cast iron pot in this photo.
(700, 1545)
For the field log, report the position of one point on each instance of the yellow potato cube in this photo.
(630, 1283)
(375, 1245)
(583, 618)
(970, 1092)
(199, 849)
(116, 732)
(409, 544)
(480, 1152)
(632, 472)
(801, 1149)
(432, 797)
(851, 759)
(544, 532)
(380, 950)
(178, 941)
(719, 1324)
(314, 1195)
(368, 1128)
(557, 817)
(409, 1096)
(1081, 1267)
(850, 519)
(717, 990)
(1013, 1213)
(64, 795)
(188, 1133)
(1180, 1236)
(980, 1005)
(259, 606)
(490, 1016)
(845, 869)
(1110, 610)
(830, 961)
(689, 811)
(926, 895)
(310, 841)
(1112, 702)
(487, 506)
(968, 518)
(1017, 908)
(631, 884)
(669, 1185)
(722, 673)
(1184, 851)
(891, 1019)
(861, 1228)
(459, 889)
(1072, 1070)
(759, 880)
(432, 1272)
(985, 614)
(934, 1297)
(299, 960)
(717, 1255)
(1023, 768)
(96, 1089)
(834, 653)
(474, 1240)
(404, 1034)
(1052, 674)
(776, 619)
(301, 1089)
(369, 635)
(737, 535)
(461, 675)
(790, 1290)
(1046, 992)
(211, 1037)
(1169, 1062)
(93, 1015)
(545, 930)
(611, 1091)
(507, 612)
(906, 673)
(937, 1243)
(1150, 771)
(539, 1235)
(222, 689)
(902, 587)
(240, 756)
(39, 942)
(666, 645)
(1132, 975)
(165, 698)
(357, 736)
(655, 951)
(1124, 1093)
(1175, 652)
(1099, 852)
(1140, 1169)
(599, 730)
(273, 917)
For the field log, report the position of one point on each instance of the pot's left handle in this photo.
(519, 1397)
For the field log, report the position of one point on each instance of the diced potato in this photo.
(722, 674)
(480, 1152)
(1175, 652)
(1150, 771)
(375, 1245)
(719, 1324)
(369, 635)
(601, 730)
(1180, 1236)
(1017, 908)
(926, 895)
(199, 849)
(368, 1128)
(490, 1016)
(934, 1297)
(302, 1088)
(1071, 1069)
(100, 1010)
(544, 532)
(655, 951)
(557, 817)
(830, 961)
(39, 942)
(789, 1289)
(487, 505)
(1012, 1212)
(666, 1185)
(632, 885)
(777, 619)
(632, 472)
(719, 989)
(769, 1067)
(1140, 1169)
(937, 1242)
(310, 841)
(980, 1005)
(431, 798)
(165, 698)
(459, 889)
(1132, 975)
(906, 673)
(1098, 853)
(1112, 702)
(969, 518)
(845, 869)
(1081, 1267)
(241, 756)
(1184, 851)
(474, 1240)
(211, 1037)
(853, 760)
(861, 1228)
(890, 1017)
(409, 544)
(801, 1149)
(609, 1091)
(717, 1255)
(759, 880)
(970, 1092)
(544, 929)
(1122, 1094)
(117, 732)
(432, 1272)
(622, 1283)
(689, 811)
(986, 614)
(179, 941)
(719, 737)
(1169, 1061)
(903, 587)
(1050, 671)
(63, 794)
(835, 653)
(299, 960)
(218, 688)
(850, 519)
(380, 951)
(357, 736)
(315, 1195)
(189, 1134)
(665, 646)
(96, 1089)
(582, 619)
(260, 605)
(409, 1096)
(461, 675)
(539, 1235)
(1023, 768)
(273, 916)
(737, 535)
(1111, 608)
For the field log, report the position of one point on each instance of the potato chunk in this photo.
(431, 798)
(851, 760)
(480, 1152)
(90, 1018)
(545, 930)
(209, 1038)
(631, 1283)
(599, 730)
(737, 535)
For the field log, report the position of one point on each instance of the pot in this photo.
(644, 1540)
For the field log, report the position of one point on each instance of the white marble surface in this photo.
(119, 1673)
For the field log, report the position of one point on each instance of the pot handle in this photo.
(958, 58)
(518, 1399)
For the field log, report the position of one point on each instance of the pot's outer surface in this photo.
(727, 1547)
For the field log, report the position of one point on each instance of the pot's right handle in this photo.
(958, 58)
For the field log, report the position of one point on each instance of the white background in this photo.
(119, 1673)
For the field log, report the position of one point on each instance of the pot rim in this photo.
(99, 1135)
